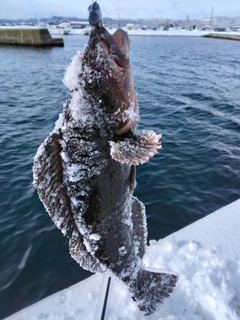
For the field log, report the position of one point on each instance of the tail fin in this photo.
(150, 289)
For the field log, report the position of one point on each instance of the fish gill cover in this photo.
(84, 171)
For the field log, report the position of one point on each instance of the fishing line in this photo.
(105, 299)
(155, 8)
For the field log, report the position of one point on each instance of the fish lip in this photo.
(111, 46)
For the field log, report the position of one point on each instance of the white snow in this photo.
(130, 113)
(160, 32)
(205, 254)
(95, 236)
(137, 32)
(71, 77)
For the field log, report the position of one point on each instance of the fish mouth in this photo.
(125, 104)
(117, 45)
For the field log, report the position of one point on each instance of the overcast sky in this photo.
(120, 8)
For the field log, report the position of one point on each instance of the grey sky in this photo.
(124, 8)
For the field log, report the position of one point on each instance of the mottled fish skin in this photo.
(84, 171)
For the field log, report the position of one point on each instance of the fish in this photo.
(85, 170)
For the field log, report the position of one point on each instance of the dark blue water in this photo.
(188, 90)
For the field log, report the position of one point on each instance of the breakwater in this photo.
(29, 36)
(223, 35)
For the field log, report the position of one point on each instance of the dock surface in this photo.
(206, 255)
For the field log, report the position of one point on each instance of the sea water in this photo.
(188, 89)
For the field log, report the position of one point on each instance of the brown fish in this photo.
(84, 171)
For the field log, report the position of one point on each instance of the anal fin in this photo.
(139, 226)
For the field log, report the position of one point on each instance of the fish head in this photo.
(109, 76)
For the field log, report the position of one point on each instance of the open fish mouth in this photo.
(118, 47)
(116, 78)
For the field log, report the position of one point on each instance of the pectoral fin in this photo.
(137, 149)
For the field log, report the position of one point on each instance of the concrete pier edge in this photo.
(28, 36)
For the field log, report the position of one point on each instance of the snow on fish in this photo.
(85, 174)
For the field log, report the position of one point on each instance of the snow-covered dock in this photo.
(160, 32)
(206, 255)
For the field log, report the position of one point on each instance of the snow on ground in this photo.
(133, 32)
(205, 254)
(160, 32)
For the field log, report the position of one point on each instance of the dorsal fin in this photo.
(48, 180)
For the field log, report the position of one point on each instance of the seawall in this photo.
(223, 35)
(28, 36)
